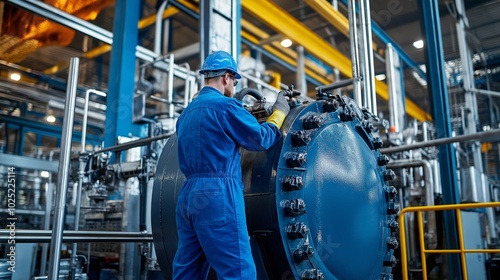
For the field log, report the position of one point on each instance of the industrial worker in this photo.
(210, 212)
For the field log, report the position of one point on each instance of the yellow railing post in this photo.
(423, 251)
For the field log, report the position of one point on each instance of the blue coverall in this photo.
(210, 211)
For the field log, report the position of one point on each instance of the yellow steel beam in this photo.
(262, 35)
(326, 10)
(283, 57)
(278, 19)
(336, 18)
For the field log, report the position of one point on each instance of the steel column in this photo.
(220, 13)
(122, 72)
(438, 90)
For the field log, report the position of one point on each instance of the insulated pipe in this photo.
(355, 52)
(393, 83)
(63, 175)
(492, 135)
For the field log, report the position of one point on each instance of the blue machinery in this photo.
(300, 198)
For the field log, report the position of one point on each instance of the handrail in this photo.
(462, 251)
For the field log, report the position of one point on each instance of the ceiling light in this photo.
(380, 77)
(51, 119)
(15, 76)
(286, 43)
(418, 44)
(45, 174)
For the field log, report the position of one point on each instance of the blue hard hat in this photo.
(217, 63)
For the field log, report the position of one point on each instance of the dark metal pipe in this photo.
(490, 136)
(133, 144)
(336, 85)
(64, 160)
(44, 236)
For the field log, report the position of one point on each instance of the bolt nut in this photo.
(292, 183)
(312, 274)
(294, 159)
(392, 243)
(389, 175)
(390, 193)
(303, 253)
(383, 160)
(392, 208)
(377, 143)
(296, 230)
(295, 207)
(313, 121)
(300, 138)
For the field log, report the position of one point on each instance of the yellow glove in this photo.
(277, 118)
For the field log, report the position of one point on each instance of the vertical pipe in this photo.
(392, 83)
(368, 64)
(84, 124)
(170, 94)
(353, 35)
(158, 27)
(301, 71)
(63, 175)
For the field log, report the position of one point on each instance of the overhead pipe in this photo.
(63, 174)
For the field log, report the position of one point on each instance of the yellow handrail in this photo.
(462, 251)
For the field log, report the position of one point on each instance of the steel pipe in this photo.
(63, 175)
(336, 85)
(353, 34)
(133, 144)
(491, 136)
(44, 236)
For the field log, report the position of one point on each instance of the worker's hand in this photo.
(282, 102)
(280, 109)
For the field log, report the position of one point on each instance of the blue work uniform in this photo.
(210, 211)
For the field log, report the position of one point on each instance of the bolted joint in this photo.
(300, 138)
(313, 121)
(294, 159)
(383, 160)
(312, 274)
(390, 193)
(292, 183)
(377, 143)
(389, 175)
(392, 243)
(392, 208)
(296, 230)
(369, 126)
(330, 105)
(303, 253)
(390, 259)
(295, 207)
(393, 225)
(386, 276)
